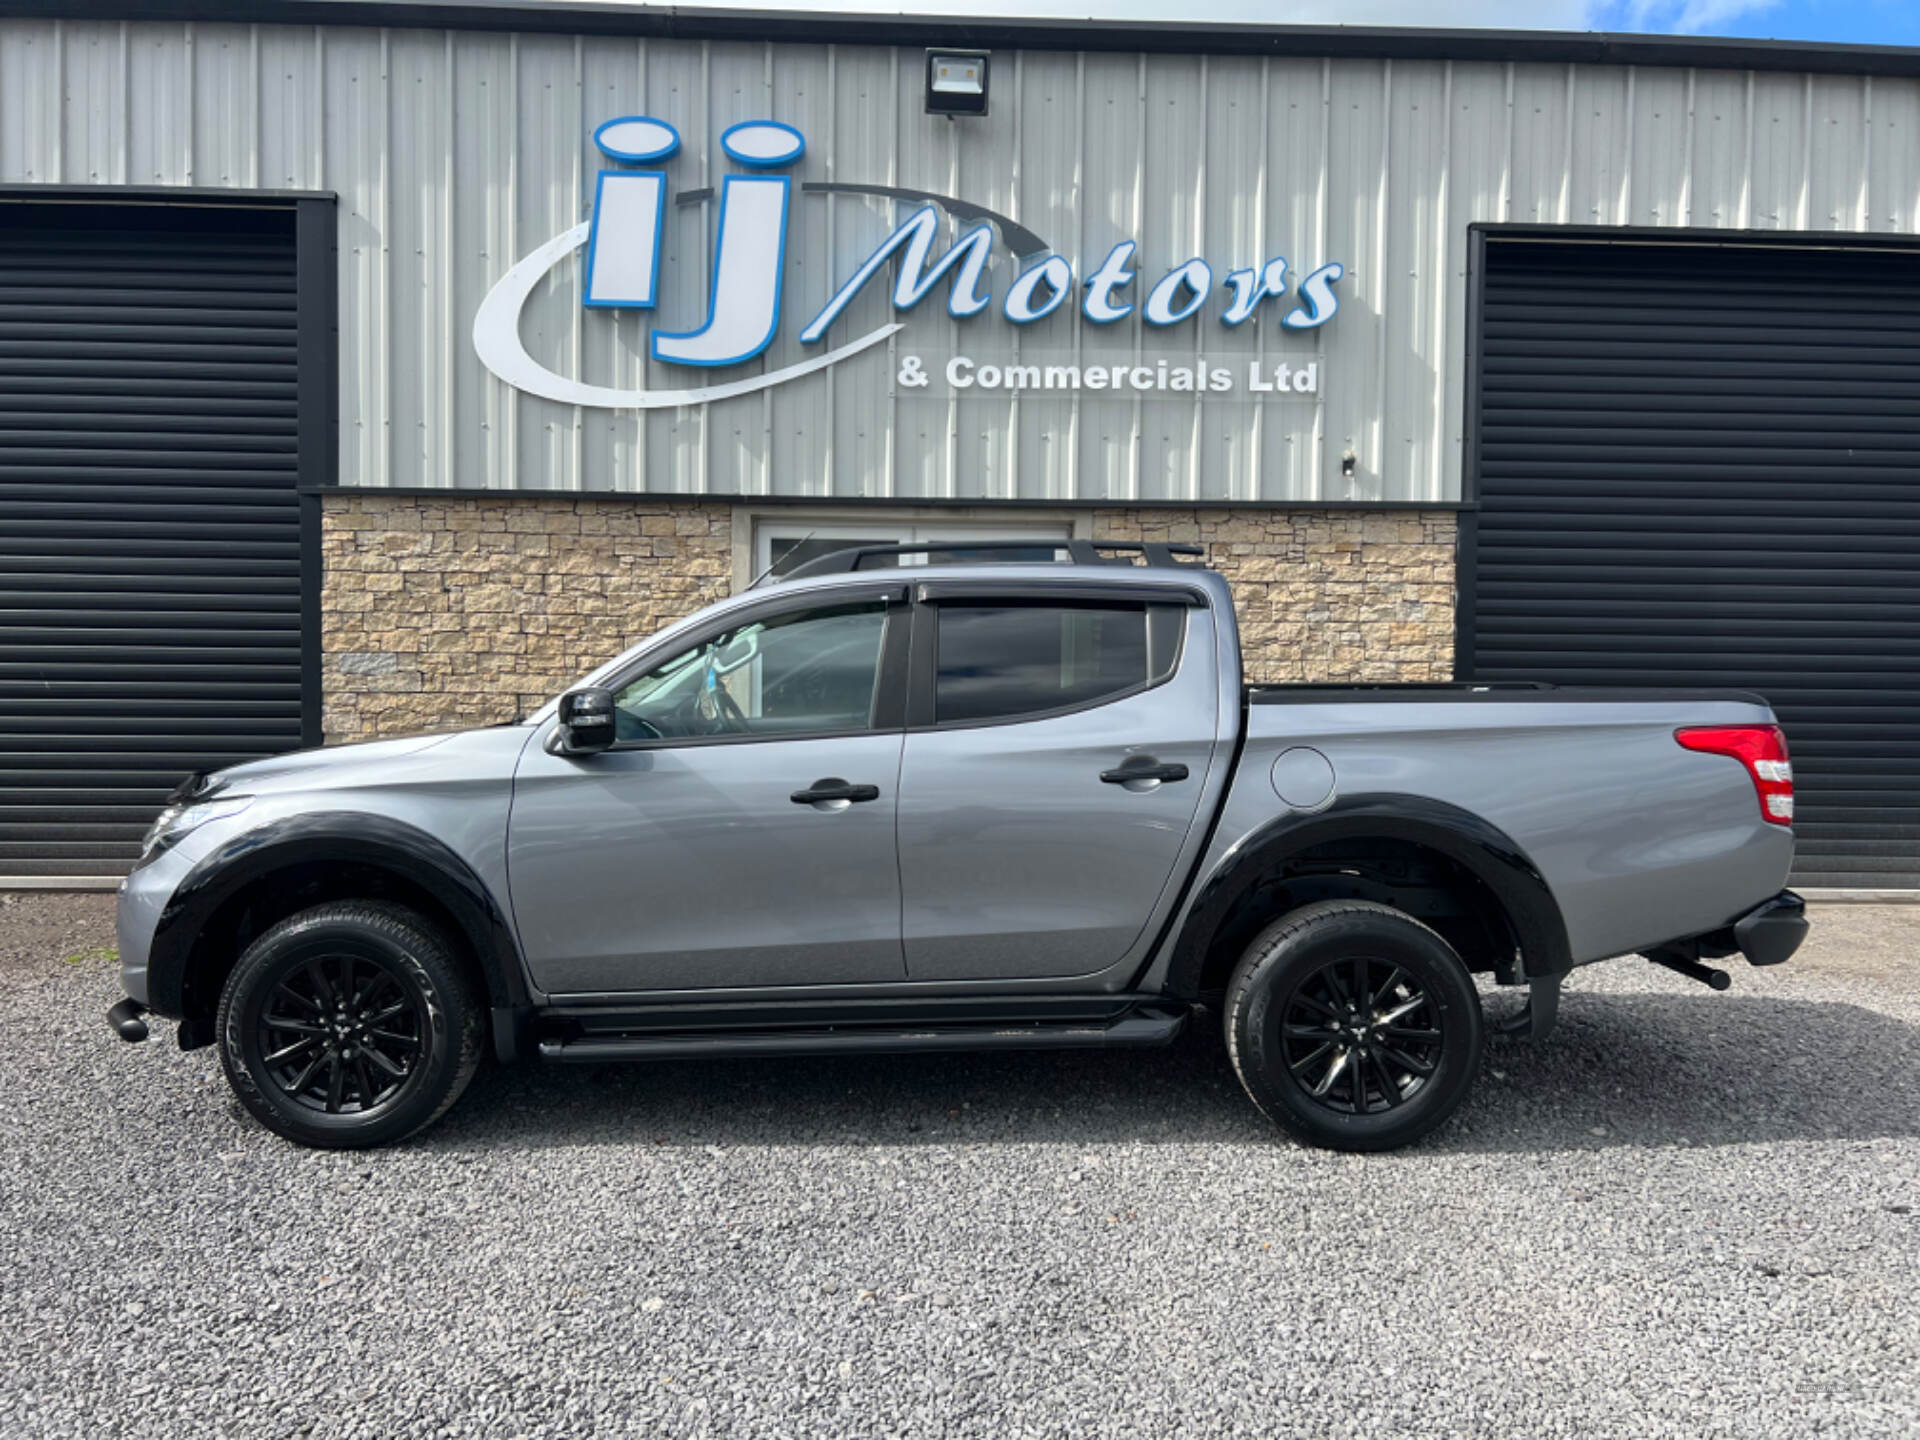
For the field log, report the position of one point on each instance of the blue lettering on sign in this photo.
(750, 247)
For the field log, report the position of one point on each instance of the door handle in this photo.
(1142, 767)
(824, 792)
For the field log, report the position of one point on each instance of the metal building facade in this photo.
(456, 152)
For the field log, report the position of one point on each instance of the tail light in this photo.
(1763, 750)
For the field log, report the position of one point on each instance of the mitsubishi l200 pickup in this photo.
(952, 798)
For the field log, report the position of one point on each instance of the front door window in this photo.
(810, 672)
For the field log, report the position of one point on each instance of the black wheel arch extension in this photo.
(1485, 852)
(252, 868)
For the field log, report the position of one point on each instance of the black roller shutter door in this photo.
(150, 576)
(1701, 464)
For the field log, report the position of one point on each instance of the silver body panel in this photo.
(455, 787)
(995, 861)
(689, 867)
(143, 896)
(1639, 840)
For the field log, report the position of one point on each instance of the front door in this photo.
(741, 831)
(1045, 801)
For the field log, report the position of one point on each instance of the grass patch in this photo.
(94, 955)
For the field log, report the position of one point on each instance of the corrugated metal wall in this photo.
(455, 153)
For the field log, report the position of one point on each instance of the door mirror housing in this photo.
(586, 721)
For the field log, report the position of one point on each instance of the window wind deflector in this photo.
(1041, 591)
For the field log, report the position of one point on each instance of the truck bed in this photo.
(1638, 838)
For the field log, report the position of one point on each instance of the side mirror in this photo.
(586, 721)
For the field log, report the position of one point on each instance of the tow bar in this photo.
(126, 1021)
(1767, 935)
(1680, 965)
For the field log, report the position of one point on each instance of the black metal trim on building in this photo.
(1155, 37)
(1467, 531)
(316, 281)
(203, 196)
(1695, 237)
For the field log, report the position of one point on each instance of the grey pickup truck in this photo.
(955, 798)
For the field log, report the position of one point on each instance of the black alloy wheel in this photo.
(343, 1033)
(1353, 1026)
(348, 1025)
(1359, 1035)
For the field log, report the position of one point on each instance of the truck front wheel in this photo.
(349, 1025)
(1353, 1026)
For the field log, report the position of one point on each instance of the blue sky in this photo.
(1865, 22)
(1877, 22)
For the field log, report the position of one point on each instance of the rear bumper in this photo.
(1767, 934)
(1770, 932)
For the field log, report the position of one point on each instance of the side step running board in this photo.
(1140, 1028)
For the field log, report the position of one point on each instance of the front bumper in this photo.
(143, 899)
(1770, 932)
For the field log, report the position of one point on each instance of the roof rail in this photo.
(1079, 552)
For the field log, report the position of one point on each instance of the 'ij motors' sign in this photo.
(623, 271)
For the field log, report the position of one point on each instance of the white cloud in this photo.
(1676, 17)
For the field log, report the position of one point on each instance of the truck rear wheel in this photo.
(1353, 1026)
(349, 1025)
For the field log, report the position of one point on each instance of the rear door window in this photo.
(1003, 661)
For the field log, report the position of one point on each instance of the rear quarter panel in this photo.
(1639, 840)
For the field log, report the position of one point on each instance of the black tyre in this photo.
(349, 1025)
(1353, 1026)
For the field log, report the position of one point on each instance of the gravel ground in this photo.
(1688, 1215)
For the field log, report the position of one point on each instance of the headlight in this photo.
(183, 817)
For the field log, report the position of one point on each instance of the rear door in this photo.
(1056, 753)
